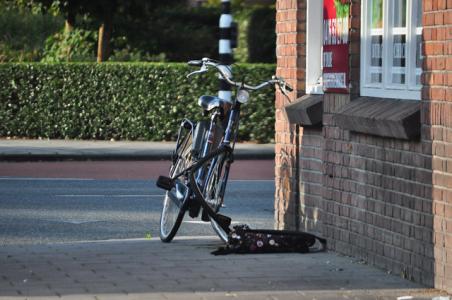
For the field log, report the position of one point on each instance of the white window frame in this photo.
(386, 89)
(314, 47)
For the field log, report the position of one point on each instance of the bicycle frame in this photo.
(226, 147)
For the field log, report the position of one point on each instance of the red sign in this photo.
(335, 45)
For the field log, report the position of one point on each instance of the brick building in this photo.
(368, 164)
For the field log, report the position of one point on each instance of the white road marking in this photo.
(153, 238)
(75, 221)
(112, 196)
(206, 223)
(34, 178)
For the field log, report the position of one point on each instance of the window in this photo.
(314, 33)
(391, 57)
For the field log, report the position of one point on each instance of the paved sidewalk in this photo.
(103, 150)
(185, 269)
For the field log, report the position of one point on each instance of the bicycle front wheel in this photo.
(173, 210)
(214, 191)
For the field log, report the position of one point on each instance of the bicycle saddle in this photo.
(210, 102)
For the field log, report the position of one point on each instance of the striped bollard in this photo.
(225, 49)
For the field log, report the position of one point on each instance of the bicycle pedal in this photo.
(224, 221)
(165, 183)
(194, 208)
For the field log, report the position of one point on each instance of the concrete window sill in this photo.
(306, 111)
(399, 119)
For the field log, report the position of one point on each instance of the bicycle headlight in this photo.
(243, 96)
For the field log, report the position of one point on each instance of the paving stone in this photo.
(77, 297)
(135, 296)
(153, 270)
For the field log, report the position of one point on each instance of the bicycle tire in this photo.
(214, 192)
(170, 211)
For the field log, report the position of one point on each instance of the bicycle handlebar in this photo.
(196, 63)
(207, 62)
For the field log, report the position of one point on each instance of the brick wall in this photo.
(437, 108)
(298, 150)
(384, 200)
(311, 180)
(377, 198)
(290, 54)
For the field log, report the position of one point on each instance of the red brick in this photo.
(448, 17)
(428, 19)
(442, 4)
(448, 46)
(429, 34)
(448, 79)
(437, 79)
(449, 94)
(440, 34)
(448, 215)
(438, 93)
(440, 64)
(429, 48)
(448, 33)
(439, 18)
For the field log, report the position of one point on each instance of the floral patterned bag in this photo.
(243, 240)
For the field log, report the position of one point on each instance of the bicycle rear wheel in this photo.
(173, 211)
(214, 191)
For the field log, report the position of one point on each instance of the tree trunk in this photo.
(70, 17)
(105, 29)
(68, 26)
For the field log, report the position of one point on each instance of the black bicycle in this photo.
(203, 157)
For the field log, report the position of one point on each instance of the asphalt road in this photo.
(36, 209)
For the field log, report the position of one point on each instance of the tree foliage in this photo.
(102, 13)
(140, 30)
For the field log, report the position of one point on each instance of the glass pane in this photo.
(376, 54)
(376, 51)
(398, 59)
(418, 58)
(399, 13)
(377, 14)
(398, 78)
(375, 77)
(418, 51)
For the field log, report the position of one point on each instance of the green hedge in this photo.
(122, 101)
